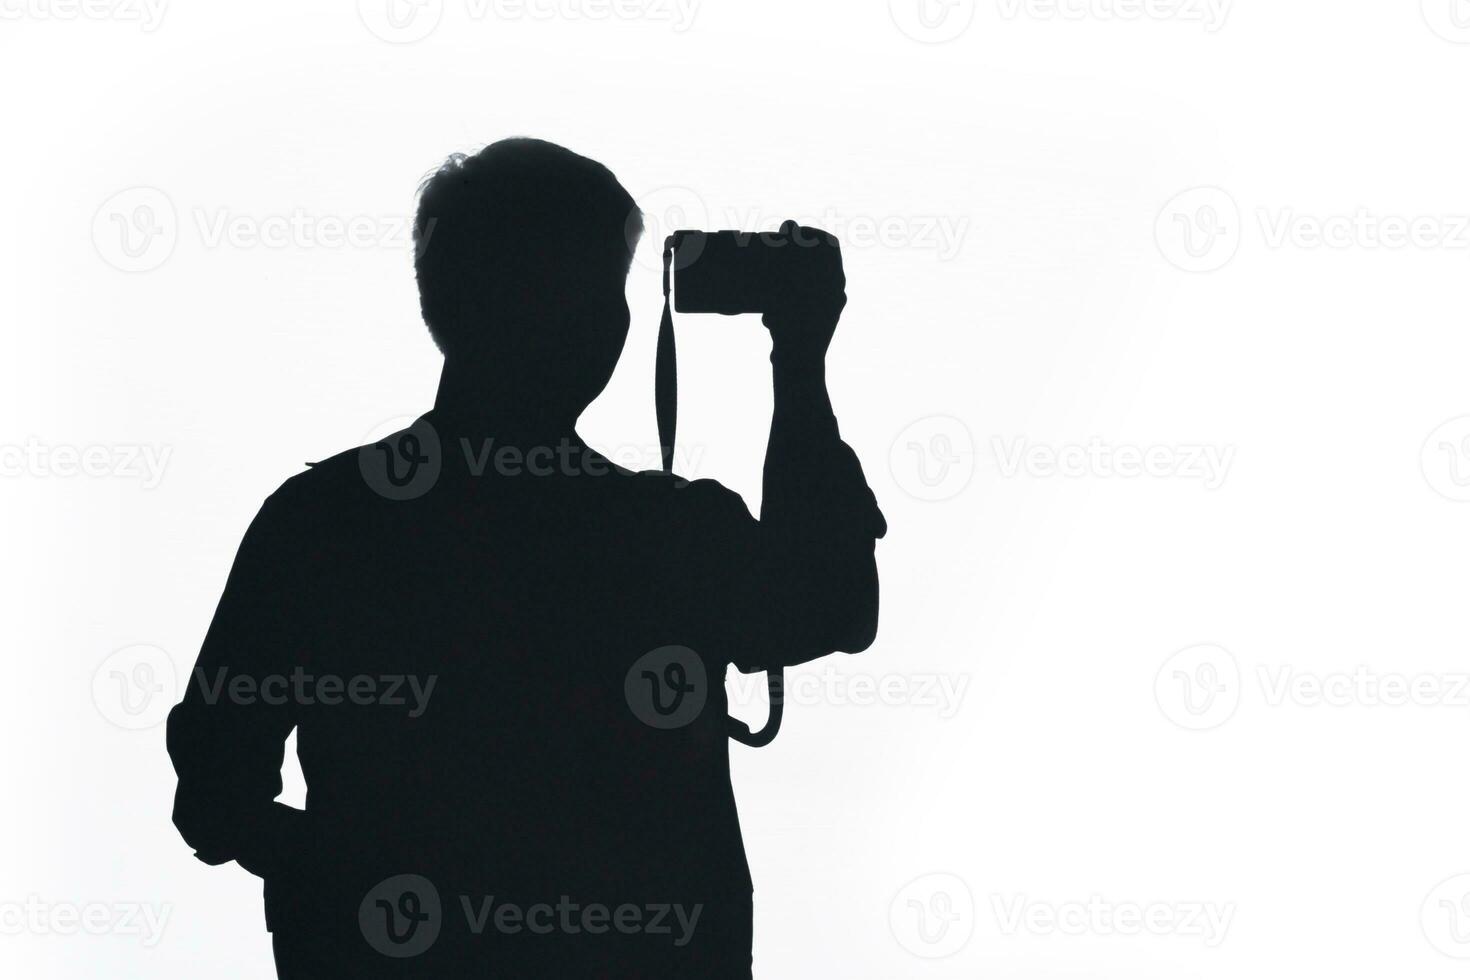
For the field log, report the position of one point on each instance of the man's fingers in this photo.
(807, 237)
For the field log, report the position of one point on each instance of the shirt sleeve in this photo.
(802, 582)
(226, 737)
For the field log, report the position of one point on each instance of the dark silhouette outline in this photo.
(502, 654)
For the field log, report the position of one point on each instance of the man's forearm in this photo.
(804, 440)
(819, 520)
(228, 760)
(813, 483)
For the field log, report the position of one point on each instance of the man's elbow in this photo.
(858, 634)
(199, 815)
(203, 828)
(854, 623)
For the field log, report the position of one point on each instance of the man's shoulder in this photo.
(370, 477)
(699, 500)
(325, 486)
(660, 487)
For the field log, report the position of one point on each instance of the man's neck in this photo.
(466, 404)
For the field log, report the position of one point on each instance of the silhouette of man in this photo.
(502, 654)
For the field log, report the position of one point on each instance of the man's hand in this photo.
(807, 300)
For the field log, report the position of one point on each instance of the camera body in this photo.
(728, 272)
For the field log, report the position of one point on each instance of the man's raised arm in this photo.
(809, 586)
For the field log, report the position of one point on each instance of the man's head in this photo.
(522, 252)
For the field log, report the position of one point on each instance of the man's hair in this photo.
(512, 231)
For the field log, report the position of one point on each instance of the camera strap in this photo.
(666, 371)
(666, 410)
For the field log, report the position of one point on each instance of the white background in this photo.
(1083, 309)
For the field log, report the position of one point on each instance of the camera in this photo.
(735, 272)
(728, 272)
